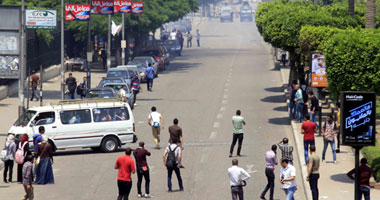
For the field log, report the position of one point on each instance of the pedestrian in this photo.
(34, 82)
(237, 176)
(329, 131)
(189, 39)
(44, 170)
(308, 129)
(292, 104)
(305, 98)
(313, 172)
(125, 166)
(180, 38)
(149, 73)
(71, 83)
(156, 121)
(237, 123)
(172, 160)
(123, 94)
(27, 178)
(142, 169)
(9, 157)
(82, 88)
(314, 108)
(37, 138)
(173, 35)
(286, 150)
(365, 173)
(299, 103)
(136, 88)
(288, 179)
(176, 132)
(198, 38)
(283, 57)
(24, 146)
(271, 162)
(338, 126)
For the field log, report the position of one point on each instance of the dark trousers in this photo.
(140, 176)
(364, 191)
(306, 144)
(270, 177)
(19, 172)
(235, 138)
(189, 43)
(313, 181)
(124, 189)
(237, 191)
(34, 95)
(71, 94)
(178, 173)
(198, 43)
(8, 166)
(135, 92)
(149, 83)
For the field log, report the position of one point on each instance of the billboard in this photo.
(137, 7)
(76, 12)
(318, 70)
(122, 6)
(40, 19)
(358, 118)
(102, 7)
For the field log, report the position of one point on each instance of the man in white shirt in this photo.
(173, 35)
(156, 121)
(173, 165)
(237, 175)
(288, 179)
(123, 94)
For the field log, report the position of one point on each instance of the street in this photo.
(233, 69)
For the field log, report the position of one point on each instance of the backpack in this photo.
(79, 91)
(20, 154)
(5, 155)
(171, 160)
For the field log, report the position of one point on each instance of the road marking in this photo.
(222, 108)
(140, 122)
(213, 134)
(219, 116)
(323, 197)
(250, 169)
(224, 101)
(228, 80)
(216, 125)
(227, 84)
(226, 90)
(225, 96)
(203, 158)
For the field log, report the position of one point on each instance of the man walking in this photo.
(176, 132)
(292, 103)
(34, 82)
(135, 88)
(365, 173)
(125, 166)
(288, 179)
(313, 172)
(329, 131)
(149, 73)
(237, 178)
(189, 39)
(37, 138)
(271, 162)
(83, 88)
(286, 150)
(314, 107)
(27, 178)
(198, 38)
(237, 123)
(299, 103)
(308, 129)
(71, 83)
(156, 121)
(172, 160)
(142, 170)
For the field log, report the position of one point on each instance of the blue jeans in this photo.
(290, 193)
(299, 107)
(71, 94)
(306, 144)
(292, 109)
(312, 117)
(364, 191)
(325, 144)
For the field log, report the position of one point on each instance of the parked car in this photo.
(120, 73)
(117, 87)
(157, 52)
(80, 123)
(103, 92)
(226, 15)
(246, 13)
(147, 60)
(136, 68)
(110, 80)
(173, 46)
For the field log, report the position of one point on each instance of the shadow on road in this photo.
(281, 108)
(274, 89)
(341, 178)
(279, 121)
(274, 99)
(179, 67)
(83, 152)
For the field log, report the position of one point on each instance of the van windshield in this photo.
(24, 119)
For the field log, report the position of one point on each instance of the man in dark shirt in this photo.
(142, 170)
(292, 104)
(365, 174)
(176, 132)
(34, 81)
(314, 107)
(286, 150)
(71, 83)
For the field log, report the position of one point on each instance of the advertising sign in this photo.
(122, 6)
(318, 70)
(358, 118)
(102, 7)
(76, 12)
(40, 19)
(137, 7)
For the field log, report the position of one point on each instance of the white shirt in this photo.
(287, 173)
(122, 94)
(154, 117)
(176, 152)
(314, 65)
(173, 35)
(235, 174)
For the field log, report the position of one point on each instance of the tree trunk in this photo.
(351, 7)
(370, 22)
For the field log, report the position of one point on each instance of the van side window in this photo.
(44, 118)
(110, 114)
(75, 116)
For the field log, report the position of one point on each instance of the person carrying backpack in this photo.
(172, 161)
(8, 156)
(82, 88)
(21, 153)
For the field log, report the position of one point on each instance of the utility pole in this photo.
(21, 77)
(89, 54)
(109, 44)
(62, 50)
(123, 43)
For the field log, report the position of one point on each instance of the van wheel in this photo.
(109, 144)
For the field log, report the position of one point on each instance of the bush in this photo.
(372, 154)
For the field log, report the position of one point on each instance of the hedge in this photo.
(372, 154)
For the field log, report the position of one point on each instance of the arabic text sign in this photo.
(40, 19)
(102, 7)
(358, 118)
(122, 6)
(137, 7)
(76, 12)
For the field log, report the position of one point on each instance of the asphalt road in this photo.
(233, 69)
